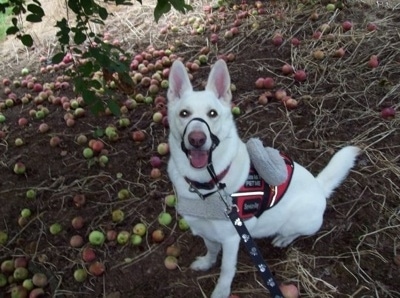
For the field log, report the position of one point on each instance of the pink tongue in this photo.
(198, 158)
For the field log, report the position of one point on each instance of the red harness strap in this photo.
(255, 196)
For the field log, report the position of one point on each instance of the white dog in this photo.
(203, 134)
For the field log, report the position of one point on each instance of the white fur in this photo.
(300, 212)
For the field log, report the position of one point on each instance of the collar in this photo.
(211, 183)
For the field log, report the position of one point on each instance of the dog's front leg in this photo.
(228, 268)
(206, 262)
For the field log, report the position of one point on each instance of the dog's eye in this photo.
(212, 114)
(184, 113)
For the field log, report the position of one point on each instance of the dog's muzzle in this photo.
(199, 158)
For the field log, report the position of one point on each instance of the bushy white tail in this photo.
(337, 169)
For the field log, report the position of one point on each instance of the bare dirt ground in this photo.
(356, 252)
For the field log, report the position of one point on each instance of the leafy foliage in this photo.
(111, 60)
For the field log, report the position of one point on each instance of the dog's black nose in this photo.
(197, 138)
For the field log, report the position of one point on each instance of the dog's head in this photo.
(199, 119)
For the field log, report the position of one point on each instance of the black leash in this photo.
(252, 249)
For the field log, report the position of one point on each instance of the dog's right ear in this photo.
(179, 81)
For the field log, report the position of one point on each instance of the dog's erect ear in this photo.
(219, 81)
(179, 81)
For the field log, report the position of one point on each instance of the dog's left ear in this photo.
(219, 81)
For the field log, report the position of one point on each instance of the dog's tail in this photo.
(337, 169)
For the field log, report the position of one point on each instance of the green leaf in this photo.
(79, 37)
(26, 40)
(12, 30)
(57, 58)
(14, 21)
(74, 6)
(35, 9)
(33, 18)
(63, 34)
(88, 7)
(103, 13)
(114, 107)
(162, 7)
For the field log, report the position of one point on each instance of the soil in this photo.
(356, 252)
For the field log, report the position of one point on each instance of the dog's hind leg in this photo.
(284, 240)
(206, 262)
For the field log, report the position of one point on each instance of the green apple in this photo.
(123, 237)
(136, 239)
(183, 225)
(3, 237)
(330, 7)
(123, 194)
(139, 229)
(55, 228)
(3, 280)
(20, 273)
(164, 218)
(96, 238)
(170, 200)
(117, 216)
(19, 168)
(31, 194)
(28, 284)
(80, 275)
(88, 153)
(26, 212)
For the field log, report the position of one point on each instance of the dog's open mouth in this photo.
(198, 158)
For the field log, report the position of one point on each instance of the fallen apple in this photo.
(139, 229)
(55, 228)
(164, 218)
(80, 275)
(96, 238)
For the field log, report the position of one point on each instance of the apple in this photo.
(289, 290)
(171, 262)
(96, 238)
(269, 83)
(28, 284)
(157, 117)
(158, 235)
(123, 194)
(19, 168)
(7, 266)
(76, 241)
(24, 71)
(40, 280)
(318, 54)
(123, 237)
(88, 153)
(30, 194)
(330, 7)
(300, 75)
(97, 268)
(347, 25)
(277, 40)
(88, 254)
(117, 215)
(170, 200)
(26, 212)
(136, 239)
(22, 221)
(373, 61)
(18, 291)
(183, 225)
(55, 141)
(139, 229)
(77, 222)
(111, 235)
(295, 41)
(235, 111)
(163, 148)
(155, 173)
(3, 280)
(3, 238)
(55, 228)
(287, 69)
(173, 250)
(80, 275)
(20, 273)
(164, 218)
(79, 200)
(388, 113)
(371, 27)
(155, 161)
(138, 135)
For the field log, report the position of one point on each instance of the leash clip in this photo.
(196, 191)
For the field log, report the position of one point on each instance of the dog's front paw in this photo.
(202, 264)
(220, 292)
